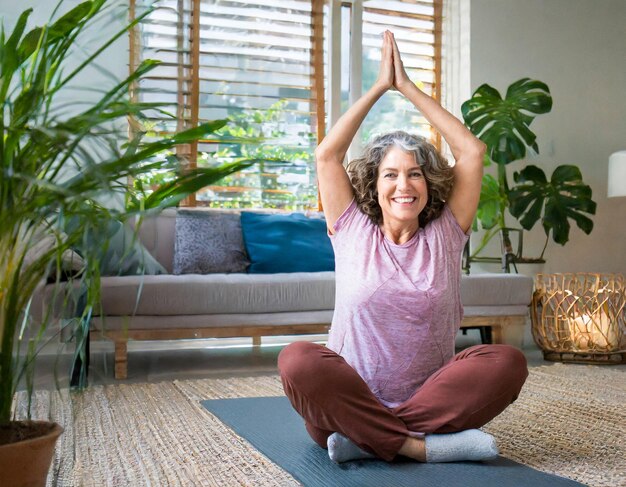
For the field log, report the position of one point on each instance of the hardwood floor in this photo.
(194, 359)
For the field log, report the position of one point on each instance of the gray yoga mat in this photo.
(272, 426)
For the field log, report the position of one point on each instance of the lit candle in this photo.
(593, 332)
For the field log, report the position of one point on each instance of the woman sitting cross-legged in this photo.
(388, 383)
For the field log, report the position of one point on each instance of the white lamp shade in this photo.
(617, 174)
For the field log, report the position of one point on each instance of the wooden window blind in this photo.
(417, 28)
(255, 63)
(262, 65)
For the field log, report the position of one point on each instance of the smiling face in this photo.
(402, 189)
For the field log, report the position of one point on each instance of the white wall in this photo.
(577, 47)
(92, 82)
(110, 66)
(113, 61)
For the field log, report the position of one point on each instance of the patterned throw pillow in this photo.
(208, 242)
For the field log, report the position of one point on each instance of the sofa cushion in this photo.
(195, 294)
(208, 242)
(496, 290)
(119, 247)
(125, 255)
(157, 233)
(70, 262)
(504, 310)
(286, 243)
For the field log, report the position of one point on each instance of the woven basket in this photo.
(580, 317)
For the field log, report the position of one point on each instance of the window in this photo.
(281, 71)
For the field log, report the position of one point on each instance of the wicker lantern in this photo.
(580, 317)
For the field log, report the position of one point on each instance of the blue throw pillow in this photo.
(286, 243)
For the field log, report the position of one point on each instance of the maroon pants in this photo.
(467, 392)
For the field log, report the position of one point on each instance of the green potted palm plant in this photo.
(503, 125)
(59, 167)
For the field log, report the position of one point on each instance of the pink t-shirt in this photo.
(397, 307)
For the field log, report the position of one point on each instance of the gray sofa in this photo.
(215, 305)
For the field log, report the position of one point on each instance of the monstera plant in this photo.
(503, 125)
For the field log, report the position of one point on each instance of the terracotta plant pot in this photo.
(26, 449)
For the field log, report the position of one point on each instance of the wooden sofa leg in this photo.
(121, 359)
(513, 331)
(496, 333)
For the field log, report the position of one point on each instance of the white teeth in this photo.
(404, 200)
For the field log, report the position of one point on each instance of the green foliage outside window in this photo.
(284, 176)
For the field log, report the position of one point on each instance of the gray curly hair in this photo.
(363, 173)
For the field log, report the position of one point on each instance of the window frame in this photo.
(327, 111)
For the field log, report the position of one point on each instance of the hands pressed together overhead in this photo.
(392, 73)
(335, 187)
(466, 149)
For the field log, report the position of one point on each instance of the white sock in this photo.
(465, 445)
(341, 449)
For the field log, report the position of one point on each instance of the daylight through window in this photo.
(269, 68)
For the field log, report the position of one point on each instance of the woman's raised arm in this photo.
(468, 151)
(334, 183)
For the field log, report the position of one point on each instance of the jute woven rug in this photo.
(570, 420)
